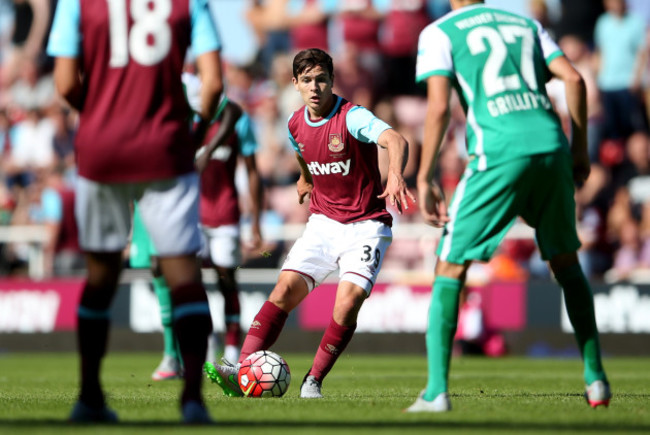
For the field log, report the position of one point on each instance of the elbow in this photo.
(439, 112)
(574, 79)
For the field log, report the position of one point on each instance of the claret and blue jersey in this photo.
(128, 51)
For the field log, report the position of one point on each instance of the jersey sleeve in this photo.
(52, 205)
(434, 54)
(294, 144)
(65, 36)
(247, 142)
(205, 36)
(550, 49)
(364, 125)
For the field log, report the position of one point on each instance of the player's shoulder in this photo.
(296, 117)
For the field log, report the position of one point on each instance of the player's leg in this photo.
(169, 209)
(443, 318)
(349, 298)
(143, 255)
(558, 242)
(361, 248)
(232, 310)
(103, 217)
(171, 365)
(93, 319)
(223, 243)
(482, 210)
(290, 289)
(580, 308)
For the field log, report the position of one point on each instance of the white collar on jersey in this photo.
(325, 119)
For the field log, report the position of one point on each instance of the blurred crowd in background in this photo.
(374, 45)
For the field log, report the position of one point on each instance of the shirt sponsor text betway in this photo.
(330, 168)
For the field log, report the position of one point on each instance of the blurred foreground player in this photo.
(119, 63)
(521, 164)
(349, 228)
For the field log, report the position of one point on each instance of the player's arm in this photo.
(68, 81)
(255, 190)
(206, 45)
(305, 183)
(432, 204)
(229, 117)
(576, 98)
(396, 190)
(64, 45)
(209, 66)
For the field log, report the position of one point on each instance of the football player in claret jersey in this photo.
(521, 164)
(349, 227)
(119, 63)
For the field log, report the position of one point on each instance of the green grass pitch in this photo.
(364, 394)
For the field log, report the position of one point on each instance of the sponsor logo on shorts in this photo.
(336, 144)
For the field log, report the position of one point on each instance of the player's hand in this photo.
(256, 236)
(581, 168)
(304, 189)
(397, 192)
(201, 162)
(432, 204)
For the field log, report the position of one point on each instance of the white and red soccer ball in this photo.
(264, 374)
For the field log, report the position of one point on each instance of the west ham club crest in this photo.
(336, 144)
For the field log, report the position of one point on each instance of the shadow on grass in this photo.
(392, 426)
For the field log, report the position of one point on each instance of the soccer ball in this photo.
(264, 374)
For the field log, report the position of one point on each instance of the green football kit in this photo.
(497, 61)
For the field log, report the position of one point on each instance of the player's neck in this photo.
(323, 111)
(457, 4)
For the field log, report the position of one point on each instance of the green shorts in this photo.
(538, 188)
(142, 248)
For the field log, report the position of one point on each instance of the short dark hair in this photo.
(311, 57)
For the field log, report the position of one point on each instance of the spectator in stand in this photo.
(354, 82)
(32, 19)
(579, 18)
(404, 21)
(621, 58)
(31, 89)
(359, 22)
(308, 22)
(31, 148)
(52, 205)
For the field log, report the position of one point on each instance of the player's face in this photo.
(315, 87)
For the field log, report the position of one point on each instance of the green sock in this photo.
(580, 307)
(165, 300)
(443, 315)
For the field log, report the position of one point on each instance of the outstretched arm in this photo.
(432, 204)
(396, 190)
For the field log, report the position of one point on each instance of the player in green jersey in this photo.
(521, 164)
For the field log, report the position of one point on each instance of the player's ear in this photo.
(295, 82)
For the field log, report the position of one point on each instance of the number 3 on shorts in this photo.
(367, 255)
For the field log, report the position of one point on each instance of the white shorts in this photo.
(169, 210)
(221, 245)
(357, 249)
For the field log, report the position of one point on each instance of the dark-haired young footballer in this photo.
(120, 63)
(349, 228)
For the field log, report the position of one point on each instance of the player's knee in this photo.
(564, 261)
